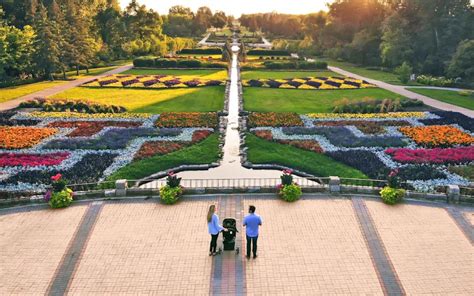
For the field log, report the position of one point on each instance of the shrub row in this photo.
(296, 65)
(70, 105)
(266, 52)
(174, 63)
(368, 105)
(211, 50)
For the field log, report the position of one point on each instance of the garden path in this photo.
(60, 88)
(402, 90)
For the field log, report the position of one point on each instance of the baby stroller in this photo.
(229, 236)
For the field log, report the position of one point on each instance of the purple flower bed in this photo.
(255, 83)
(313, 83)
(448, 117)
(274, 84)
(332, 83)
(160, 76)
(295, 83)
(352, 83)
(151, 82)
(88, 170)
(5, 120)
(192, 83)
(112, 139)
(341, 136)
(363, 160)
(213, 83)
(107, 82)
(420, 172)
(172, 82)
(322, 78)
(130, 82)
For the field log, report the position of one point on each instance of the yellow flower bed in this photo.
(39, 114)
(367, 115)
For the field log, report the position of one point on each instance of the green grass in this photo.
(205, 152)
(384, 76)
(13, 92)
(305, 101)
(265, 152)
(447, 96)
(268, 74)
(202, 99)
(197, 73)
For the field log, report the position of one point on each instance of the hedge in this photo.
(296, 65)
(212, 50)
(174, 63)
(264, 52)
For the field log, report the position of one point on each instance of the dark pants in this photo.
(249, 242)
(213, 247)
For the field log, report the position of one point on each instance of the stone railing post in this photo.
(334, 184)
(453, 192)
(121, 187)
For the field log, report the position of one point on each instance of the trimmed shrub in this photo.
(166, 63)
(211, 50)
(291, 192)
(189, 64)
(265, 52)
(392, 196)
(144, 62)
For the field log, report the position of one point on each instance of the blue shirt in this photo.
(252, 222)
(213, 226)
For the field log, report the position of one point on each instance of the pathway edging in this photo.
(462, 223)
(383, 266)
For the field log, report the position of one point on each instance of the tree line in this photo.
(40, 38)
(432, 36)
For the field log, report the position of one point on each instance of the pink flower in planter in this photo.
(56, 177)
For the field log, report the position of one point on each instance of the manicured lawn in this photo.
(305, 101)
(203, 99)
(285, 74)
(265, 152)
(13, 92)
(447, 96)
(388, 77)
(198, 73)
(205, 152)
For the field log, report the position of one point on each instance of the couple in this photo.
(252, 222)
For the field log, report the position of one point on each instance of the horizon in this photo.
(237, 8)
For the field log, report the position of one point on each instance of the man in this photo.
(252, 222)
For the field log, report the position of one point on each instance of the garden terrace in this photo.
(370, 144)
(88, 148)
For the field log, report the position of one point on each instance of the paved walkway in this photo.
(60, 88)
(316, 246)
(402, 90)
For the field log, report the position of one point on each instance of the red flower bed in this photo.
(274, 119)
(266, 135)
(89, 128)
(302, 144)
(150, 149)
(32, 160)
(436, 155)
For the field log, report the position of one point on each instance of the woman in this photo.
(214, 229)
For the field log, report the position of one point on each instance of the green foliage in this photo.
(71, 106)
(210, 51)
(404, 71)
(170, 195)
(391, 195)
(172, 180)
(286, 178)
(266, 52)
(462, 62)
(61, 199)
(434, 81)
(176, 63)
(448, 96)
(367, 105)
(291, 192)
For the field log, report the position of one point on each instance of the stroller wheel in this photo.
(237, 251)
(220, 251)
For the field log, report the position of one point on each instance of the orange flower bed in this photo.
(438, 136)
(274, 119)
(23, 137)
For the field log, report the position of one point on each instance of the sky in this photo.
(237, 7)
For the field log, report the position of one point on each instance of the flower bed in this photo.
(6, 120)
(152, 81)
(378, 143)
(274, 119)
(32, 160)
(23, 137)
(311, 83)
(437, 155)
(187, 119)
(40, 114)
(89, 128)
(438, 136)
(71, 105)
